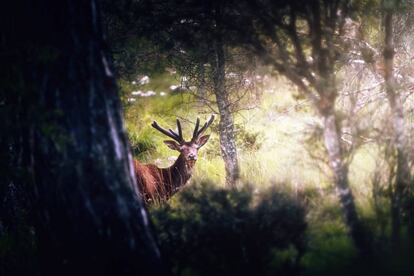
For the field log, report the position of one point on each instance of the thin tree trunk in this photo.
(87, 218)
(332, 137)
(226, 124)
(340, 173)
(202, 85)
(403, 174)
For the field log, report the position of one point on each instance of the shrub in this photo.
(249, 140)
(213, 231)
(408, 211)
(141, 144)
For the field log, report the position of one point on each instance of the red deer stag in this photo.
(159, 184)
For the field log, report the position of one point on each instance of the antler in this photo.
(170, 133)
(179, 136)
(197, 133)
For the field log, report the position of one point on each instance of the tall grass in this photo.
(280, 153)
(281, 124)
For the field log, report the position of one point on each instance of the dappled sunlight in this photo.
(282, 130)
(280, 155)
(207, 138)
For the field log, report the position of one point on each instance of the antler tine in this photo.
(180, 131)
(177, 137)
(196, 129)
(169, 133)
(206, 125)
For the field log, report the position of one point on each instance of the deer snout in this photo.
(192, 156)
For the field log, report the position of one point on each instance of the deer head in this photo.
(188, 150)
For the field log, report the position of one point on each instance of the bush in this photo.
(249, 140)
(142, 144)
(408, 211)
(213, 231)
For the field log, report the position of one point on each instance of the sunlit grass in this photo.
(282, 157)
(283, 124)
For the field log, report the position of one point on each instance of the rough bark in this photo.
(87, 218)
(226, 123)
(403, 174)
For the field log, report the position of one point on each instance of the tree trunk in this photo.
(403, 174)
(87, 218)
(226, 124)
(202, 85)
(339, 168)
(332, 138)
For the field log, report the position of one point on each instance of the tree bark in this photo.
(226, 124)
(202, 84)
(86, 215)
(403, 174)
(331, 135)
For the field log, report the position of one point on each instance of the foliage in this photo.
(141, 144)
(209, 230)
(248, 140)
(18, 252)
(409, 211)
(213, 231)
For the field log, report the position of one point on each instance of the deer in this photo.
(160, 184)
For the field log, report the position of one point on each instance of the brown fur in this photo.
(159, 184)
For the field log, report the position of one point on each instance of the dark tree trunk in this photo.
(86, 215)
(403, 174)
(226, 124)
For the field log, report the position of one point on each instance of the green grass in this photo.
(281, 125)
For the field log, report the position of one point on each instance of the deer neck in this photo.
(181, 172)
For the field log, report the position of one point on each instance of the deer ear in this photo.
(172, 145)
(202, 140)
